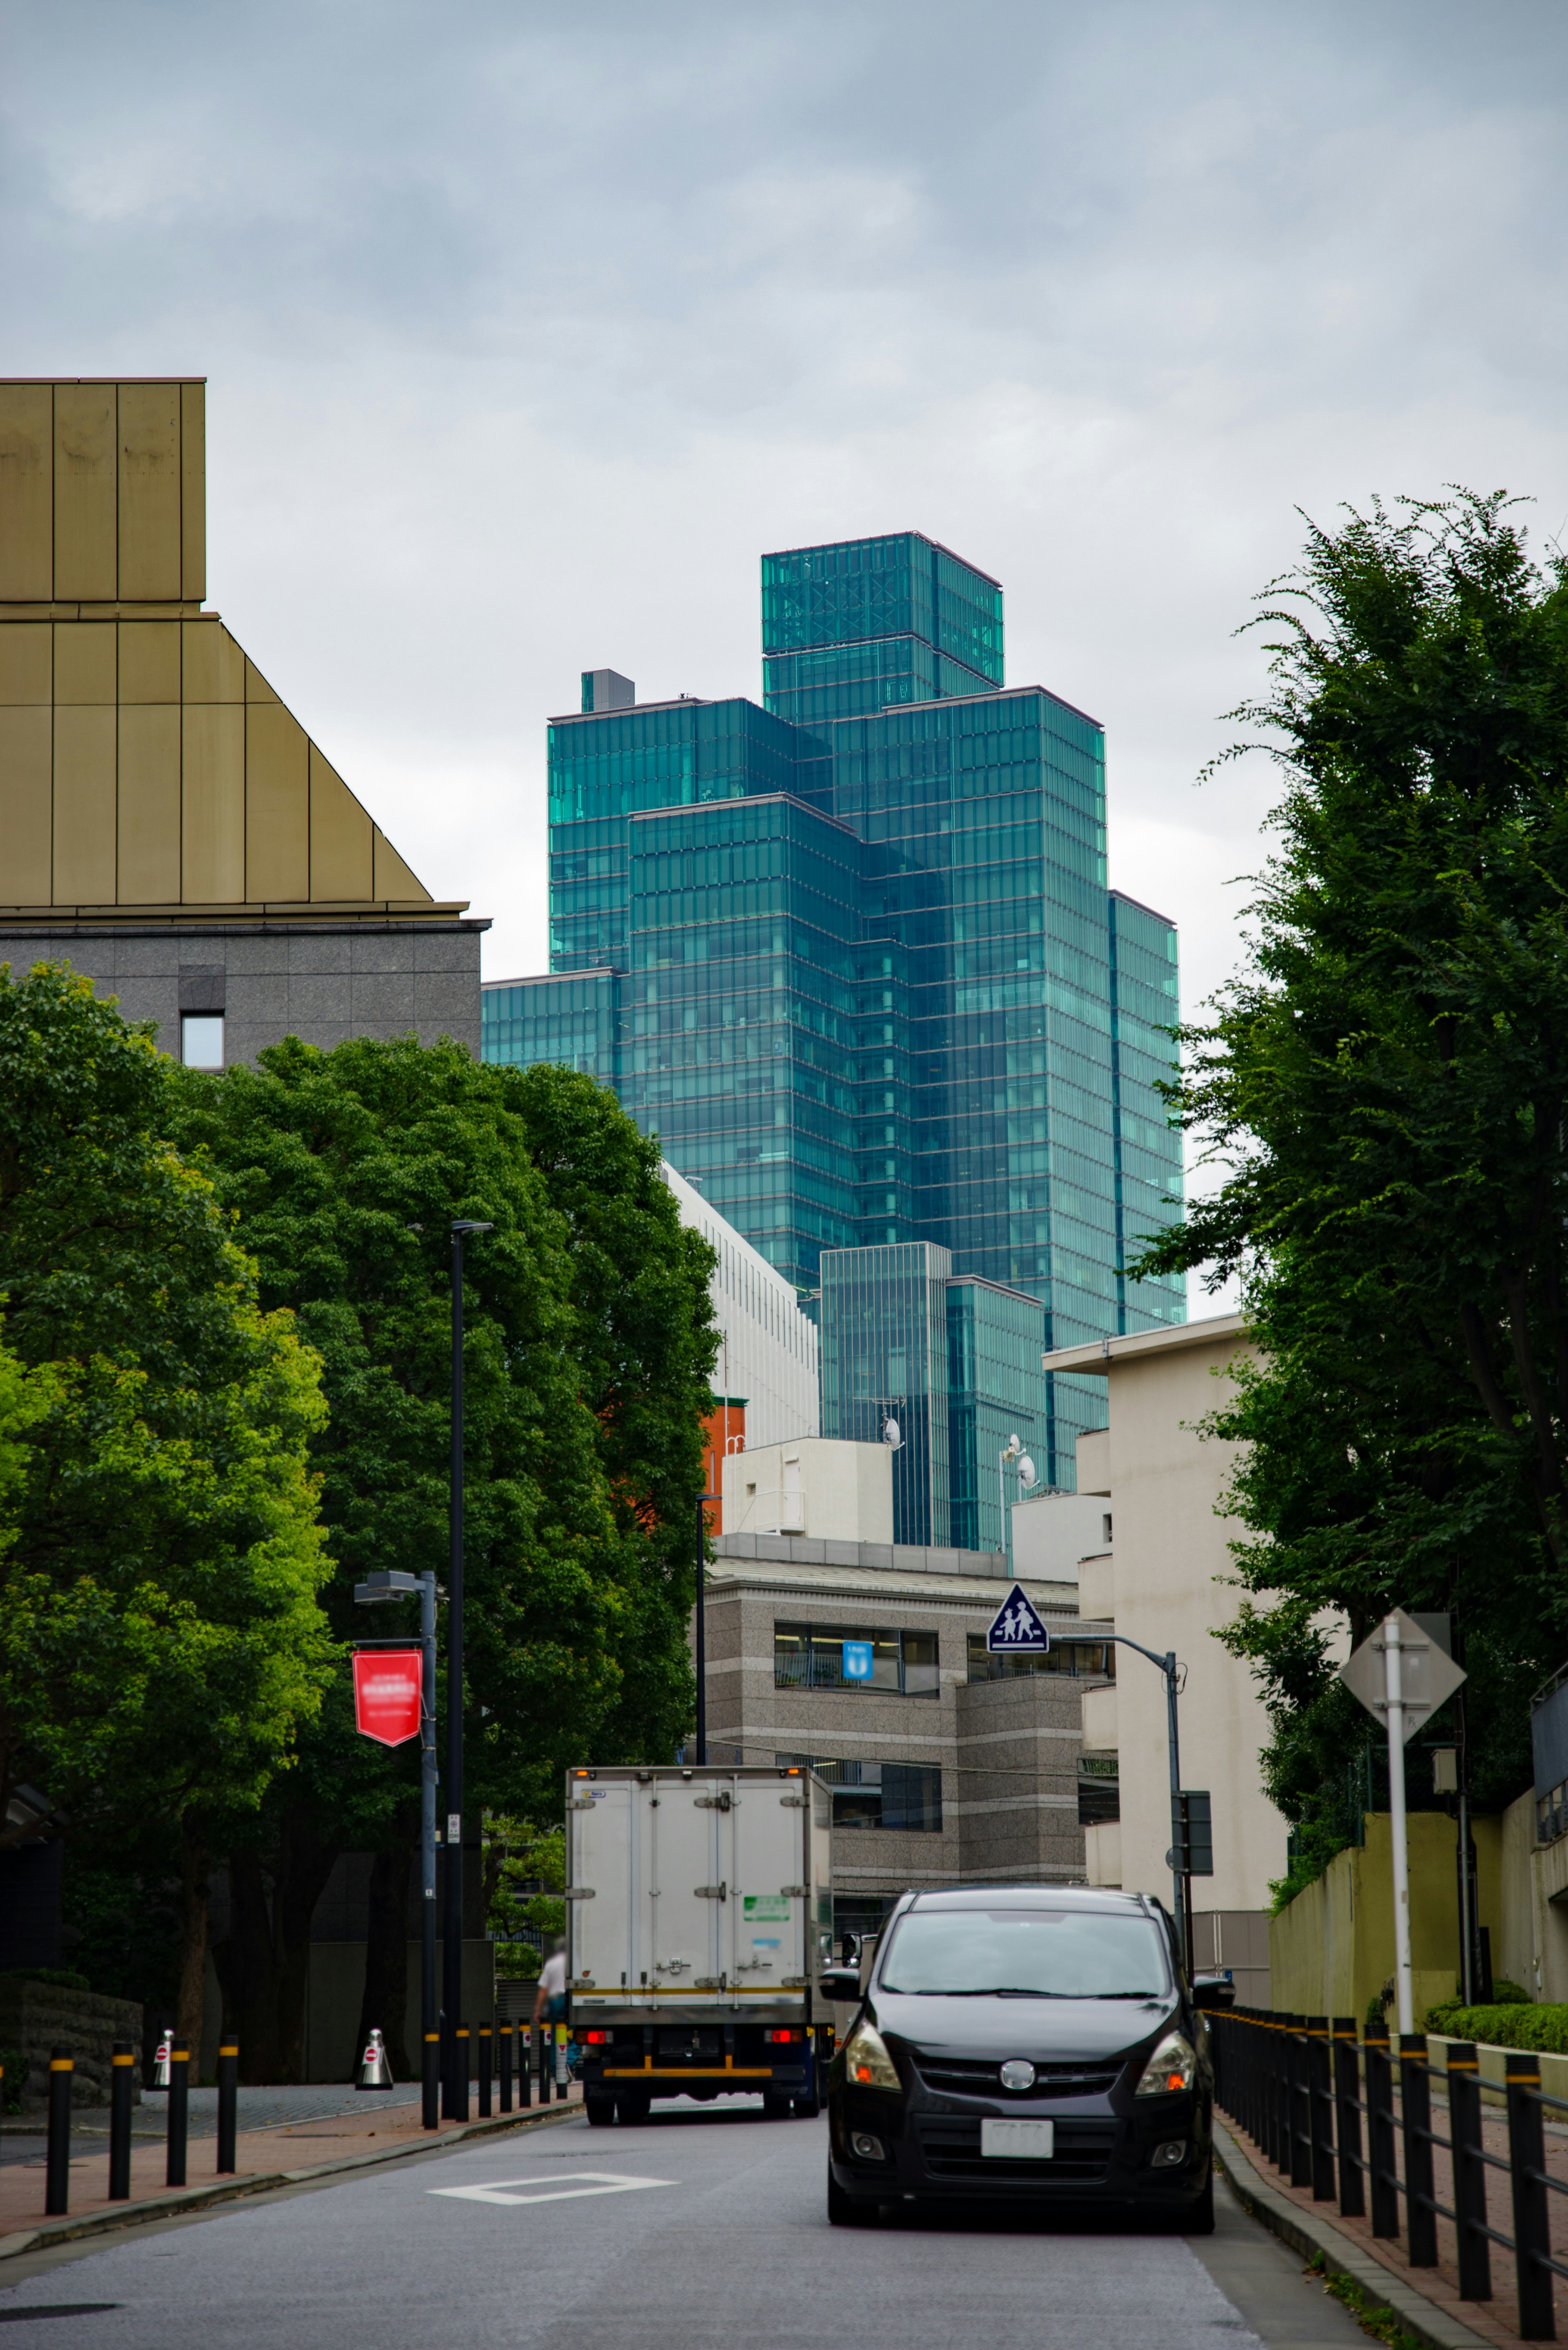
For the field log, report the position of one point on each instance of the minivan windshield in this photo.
(1025, 1953)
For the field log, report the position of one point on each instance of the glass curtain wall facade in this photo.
(883, 1320)
(852, 955)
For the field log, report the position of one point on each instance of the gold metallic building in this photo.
(166, 824)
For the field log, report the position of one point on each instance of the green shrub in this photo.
(1510, 1994)
(11, 2087)
(63, 1978)
(1543, 2028)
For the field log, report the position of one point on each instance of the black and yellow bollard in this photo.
(121, 2083)
(429, 2081)
(179, 2112)
(57, 2176)
(460, 2073)
(524, 2064)
(486, 2060)
(228, 2103)
(504, 2033)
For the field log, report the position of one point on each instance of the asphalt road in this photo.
(703, 2230)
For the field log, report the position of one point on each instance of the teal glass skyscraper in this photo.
(852, 955)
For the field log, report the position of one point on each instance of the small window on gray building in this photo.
(849, 1658)
(1081, 1660)
(903, 1795)
(202, 1039)
(1099, 1790)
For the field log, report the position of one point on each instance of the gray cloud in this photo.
(529, 329)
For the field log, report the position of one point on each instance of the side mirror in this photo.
(1212, 1992)
(839, 1983)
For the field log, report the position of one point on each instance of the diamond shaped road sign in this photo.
(1428, 1678)
(1016, 1630)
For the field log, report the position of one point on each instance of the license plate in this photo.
(1025, 2141)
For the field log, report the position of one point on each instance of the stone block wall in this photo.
(37, 2016)
(322, 982)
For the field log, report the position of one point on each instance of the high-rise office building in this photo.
(852, 955)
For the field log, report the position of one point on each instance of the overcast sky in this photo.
(528, 329)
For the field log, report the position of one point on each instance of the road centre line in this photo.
(559, 2190)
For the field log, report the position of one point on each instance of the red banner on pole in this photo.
(386, 1685)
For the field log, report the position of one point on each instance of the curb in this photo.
(1313, 2236)
(179, 2199)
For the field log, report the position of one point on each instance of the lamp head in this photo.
(467, 1224)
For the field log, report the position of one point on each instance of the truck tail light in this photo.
(777, 2037)
(596, 2039)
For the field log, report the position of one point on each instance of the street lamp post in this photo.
(452, 1972)
(382, 1586)
(1169, 1667)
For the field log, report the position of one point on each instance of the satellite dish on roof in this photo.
(1026, 1471)
(891, 1436)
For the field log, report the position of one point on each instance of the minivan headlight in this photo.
(866, 2064)
(1171, 2067)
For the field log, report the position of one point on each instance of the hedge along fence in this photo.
(1542, 2028)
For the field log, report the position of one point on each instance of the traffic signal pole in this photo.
(454, 2100)
(1179, 1854)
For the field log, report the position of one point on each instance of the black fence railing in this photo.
(1303, 2087)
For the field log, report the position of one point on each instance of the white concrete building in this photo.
(1162, 1579)
(768, 1352)
(823, 1488)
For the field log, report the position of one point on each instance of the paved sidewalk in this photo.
(309, 2142)
(1426, 2301)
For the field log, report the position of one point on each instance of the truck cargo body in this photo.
(700, 1904)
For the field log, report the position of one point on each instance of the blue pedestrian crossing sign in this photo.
(1017, 1630)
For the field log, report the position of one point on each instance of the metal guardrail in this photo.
(1302, 2085)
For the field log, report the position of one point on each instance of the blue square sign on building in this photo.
(1017, 1630)
(857, 1660)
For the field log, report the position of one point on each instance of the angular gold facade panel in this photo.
(257, 687)
(193, 490)
(393, 879)
(149, 805)
(341, 864)
(214, 668)
(278, 804)
(85, 814)
(23, 667)
(25, 818)
(149, 661)
(86, 521)
(85, 662)
(149, 533)
(26, 491)
(213, 804)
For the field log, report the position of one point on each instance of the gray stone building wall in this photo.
(322, 982)
(1008, 1751)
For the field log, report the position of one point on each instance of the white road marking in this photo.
(559, 2191)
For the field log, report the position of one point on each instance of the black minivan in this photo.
(1022, 2043)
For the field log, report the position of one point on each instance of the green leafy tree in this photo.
(161, 1643)
(1387, 1082)
(345, 1171)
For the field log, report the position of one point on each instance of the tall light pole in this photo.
(379, 1585)
(454, 2103)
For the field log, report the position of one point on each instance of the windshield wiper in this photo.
(1127, 1994)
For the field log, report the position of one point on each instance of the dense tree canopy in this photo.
(1388, 1083)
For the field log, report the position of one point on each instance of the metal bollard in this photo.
(122, 2081)
(459, 2072)
(1469, 2171)
(429, 2081)
(1531, 2221)
(1320, 2109)
(524, 2066)
(1416, 2097)
(1347, 2117)
(58, 2173)
(486, 2060)
(1385, 2195)
(545, 2038)
(505, 2053)
(228, 2104)
(563, 2078)
(179, 2112)
(1299, 2152)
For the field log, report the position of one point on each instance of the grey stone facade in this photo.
(1007, 1749)
(322, 982)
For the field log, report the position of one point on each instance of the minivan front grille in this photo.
(1082, 2156)
(968, 2076)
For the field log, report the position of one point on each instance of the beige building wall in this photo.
(822, 1487)
(1162, 1582)
(153, 784)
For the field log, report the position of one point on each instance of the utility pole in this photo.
(455, 2052)
(1172, 1671)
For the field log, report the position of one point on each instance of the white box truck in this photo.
(699, 1903)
